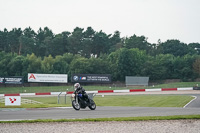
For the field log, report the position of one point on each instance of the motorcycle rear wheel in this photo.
(75, 105)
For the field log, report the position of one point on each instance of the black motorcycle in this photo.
(78, 101)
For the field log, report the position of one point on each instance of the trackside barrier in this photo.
(149, 90)
(125, 91)
(101, 91)
(182, 89)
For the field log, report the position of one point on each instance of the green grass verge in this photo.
(144, 100)
(145, 118)
(116, 100)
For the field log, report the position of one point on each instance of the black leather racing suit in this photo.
(81, 90)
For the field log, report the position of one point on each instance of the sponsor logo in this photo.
(75, 78)
(82, 78)
(32, 77)
(12, 100)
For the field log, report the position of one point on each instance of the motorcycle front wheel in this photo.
(92, 105)
(75, 105)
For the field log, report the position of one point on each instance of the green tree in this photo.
(5, 58)
(196, 66)
(127, 62)
(75, 41)
(65, 41)
(88, 42)
(89, 66)
(158, 67)
(80, 65)
(27, 42)
(194, 48)
(15, 66)
(47, 64)
(139, 42)
(4, 41)
(13, 40)
(60, 65)
(101, 43)
(33, 63)
(43, 39)
(116, 42)
(174, 47)
(99, 66)
(113, 59)
(187, 72)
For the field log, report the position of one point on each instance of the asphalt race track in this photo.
(195, 103)
(100, 112)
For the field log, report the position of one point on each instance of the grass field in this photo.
(143, 100)
(132, 100)
(109, 100)
(144, 118)
(11, 90)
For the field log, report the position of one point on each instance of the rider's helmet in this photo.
(77, 85)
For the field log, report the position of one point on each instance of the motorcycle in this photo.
(78, 101)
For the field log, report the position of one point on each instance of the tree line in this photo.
(95, 52)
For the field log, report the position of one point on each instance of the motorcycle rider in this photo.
(81, 91)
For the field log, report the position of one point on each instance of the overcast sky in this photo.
(155, 19)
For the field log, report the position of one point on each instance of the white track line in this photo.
(190, 101)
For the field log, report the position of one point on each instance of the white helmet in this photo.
(77, 85)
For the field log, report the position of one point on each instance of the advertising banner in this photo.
(97, 78)
(12, 100)
(49, 78)
(12, 80)
(1, 80)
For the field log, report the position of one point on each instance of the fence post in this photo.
(59, 97)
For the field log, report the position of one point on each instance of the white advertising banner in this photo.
(49, 78)
(12, 100)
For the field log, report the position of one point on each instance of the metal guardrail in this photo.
(65, 97)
